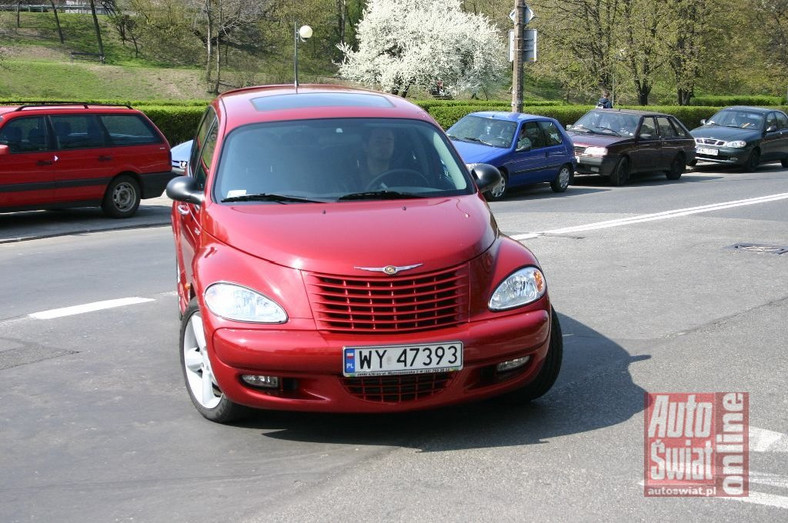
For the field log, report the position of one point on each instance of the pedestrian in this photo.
(604, 102)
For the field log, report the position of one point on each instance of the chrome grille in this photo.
(396, 389)
(579, 150)
(709, 141)
(389, 304)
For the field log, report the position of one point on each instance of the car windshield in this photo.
(737, 118)
(607, 122)
(338, 160)
(483, 129)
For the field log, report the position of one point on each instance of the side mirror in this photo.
(487, 176)
(771, 128)
(4, 149)
(185, 189)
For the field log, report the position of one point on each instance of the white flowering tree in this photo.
(406, 44)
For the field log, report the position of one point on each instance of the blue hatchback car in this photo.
(526, 148)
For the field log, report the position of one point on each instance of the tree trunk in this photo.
(98, 30)
(57, 22)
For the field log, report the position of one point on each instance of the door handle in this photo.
(183, 210)
(45, 162)
(105, 158)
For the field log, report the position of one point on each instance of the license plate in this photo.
(707, 151)
(402, 359)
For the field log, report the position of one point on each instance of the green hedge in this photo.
(723, 101)
(177, 123)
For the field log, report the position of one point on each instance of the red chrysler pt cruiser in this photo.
(335, 254)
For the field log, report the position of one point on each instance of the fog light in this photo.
(512, 364)
(264, 382)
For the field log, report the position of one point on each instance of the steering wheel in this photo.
(401, 175)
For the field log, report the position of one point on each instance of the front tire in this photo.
(620, 174)
(548, 373)
(753, 161)
(201, 384)
(122, 197)
(499, 192)
(563, 179)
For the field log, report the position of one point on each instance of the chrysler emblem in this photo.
(391, 270)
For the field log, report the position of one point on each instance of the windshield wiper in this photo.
(581, 128)
(378, 195)
(268, 197)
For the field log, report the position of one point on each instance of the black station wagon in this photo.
(618, 143)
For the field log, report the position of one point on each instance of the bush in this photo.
(722, 101)
(178, 123)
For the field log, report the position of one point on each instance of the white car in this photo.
(180, 157)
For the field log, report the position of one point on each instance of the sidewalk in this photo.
(30, 225)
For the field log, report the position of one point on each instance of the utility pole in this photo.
(517, 62)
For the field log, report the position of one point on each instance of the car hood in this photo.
(725, 133)
(596, 140)
(477, 152)
(337, 238)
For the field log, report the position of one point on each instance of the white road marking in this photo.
(88, 307)
(763, 440)
(676, 213)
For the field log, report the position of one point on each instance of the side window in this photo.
(77, 131)
(782, 121)
(666, 129)
(647, 128)
(129, 129)
(26, 135)
(13, 132)
(208, 119)
(530, 137)
(551, 133)
(204, 155)
(771, 121)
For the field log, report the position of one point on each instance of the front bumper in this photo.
(309, 366)
(725, 156)
(595, 165)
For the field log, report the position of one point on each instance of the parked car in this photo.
(78, 155)
(743, 136)
(527, 149)
(618, 143)
(309, 281)
(180, 157)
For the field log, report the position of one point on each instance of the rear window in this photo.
(129, 129)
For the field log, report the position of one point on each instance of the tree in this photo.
(686, 47)
(418, 43)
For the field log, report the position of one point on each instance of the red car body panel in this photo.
(280, 251)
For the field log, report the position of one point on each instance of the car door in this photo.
(186, 216)
(27, 170)
(646, 155)
(84, 169)
(672, 143)
(556, 151)
(782, 124)
(773, 143)
(529, 160)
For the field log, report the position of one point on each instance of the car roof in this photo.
(635, 112)
(48, 107)
(511, 116)
(750, 108)
(310, 101)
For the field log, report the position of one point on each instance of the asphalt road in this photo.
(660, 287)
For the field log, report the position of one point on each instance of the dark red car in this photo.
(56, 155)
(335, 254)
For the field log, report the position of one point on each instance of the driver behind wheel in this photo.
(378, 150)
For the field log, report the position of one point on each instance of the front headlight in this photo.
(595, 151)
(735, 144)
(237, 303)
(520, 288)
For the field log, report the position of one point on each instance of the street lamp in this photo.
(302, 33)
